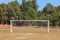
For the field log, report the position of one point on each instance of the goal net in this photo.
(41, 25)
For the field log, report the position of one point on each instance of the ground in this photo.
(30, 34)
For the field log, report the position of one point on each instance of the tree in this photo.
(51, 13)
(3, 11)
(58, 14)
(24, 9)
(14, 10)
(32, 4)
(32, 14)
(49, 9)
(24, 6)
(29, 4)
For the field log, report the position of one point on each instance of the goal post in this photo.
(11, 23)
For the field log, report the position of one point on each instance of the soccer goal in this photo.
(38, 24)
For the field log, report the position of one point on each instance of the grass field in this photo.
(30, 34)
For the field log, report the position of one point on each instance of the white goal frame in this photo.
(48, 24)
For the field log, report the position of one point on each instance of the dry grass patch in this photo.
(30, 34)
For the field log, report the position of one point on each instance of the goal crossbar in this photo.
(29, 20)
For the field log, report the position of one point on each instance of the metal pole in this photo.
(48, 26)
(11, 26)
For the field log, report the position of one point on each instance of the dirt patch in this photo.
(25, 34)
(30, 36)
(4, 26)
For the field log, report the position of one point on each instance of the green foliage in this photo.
(32, 4)
(24, 6)
(32, 14)
(49, 9)
(28, 11)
